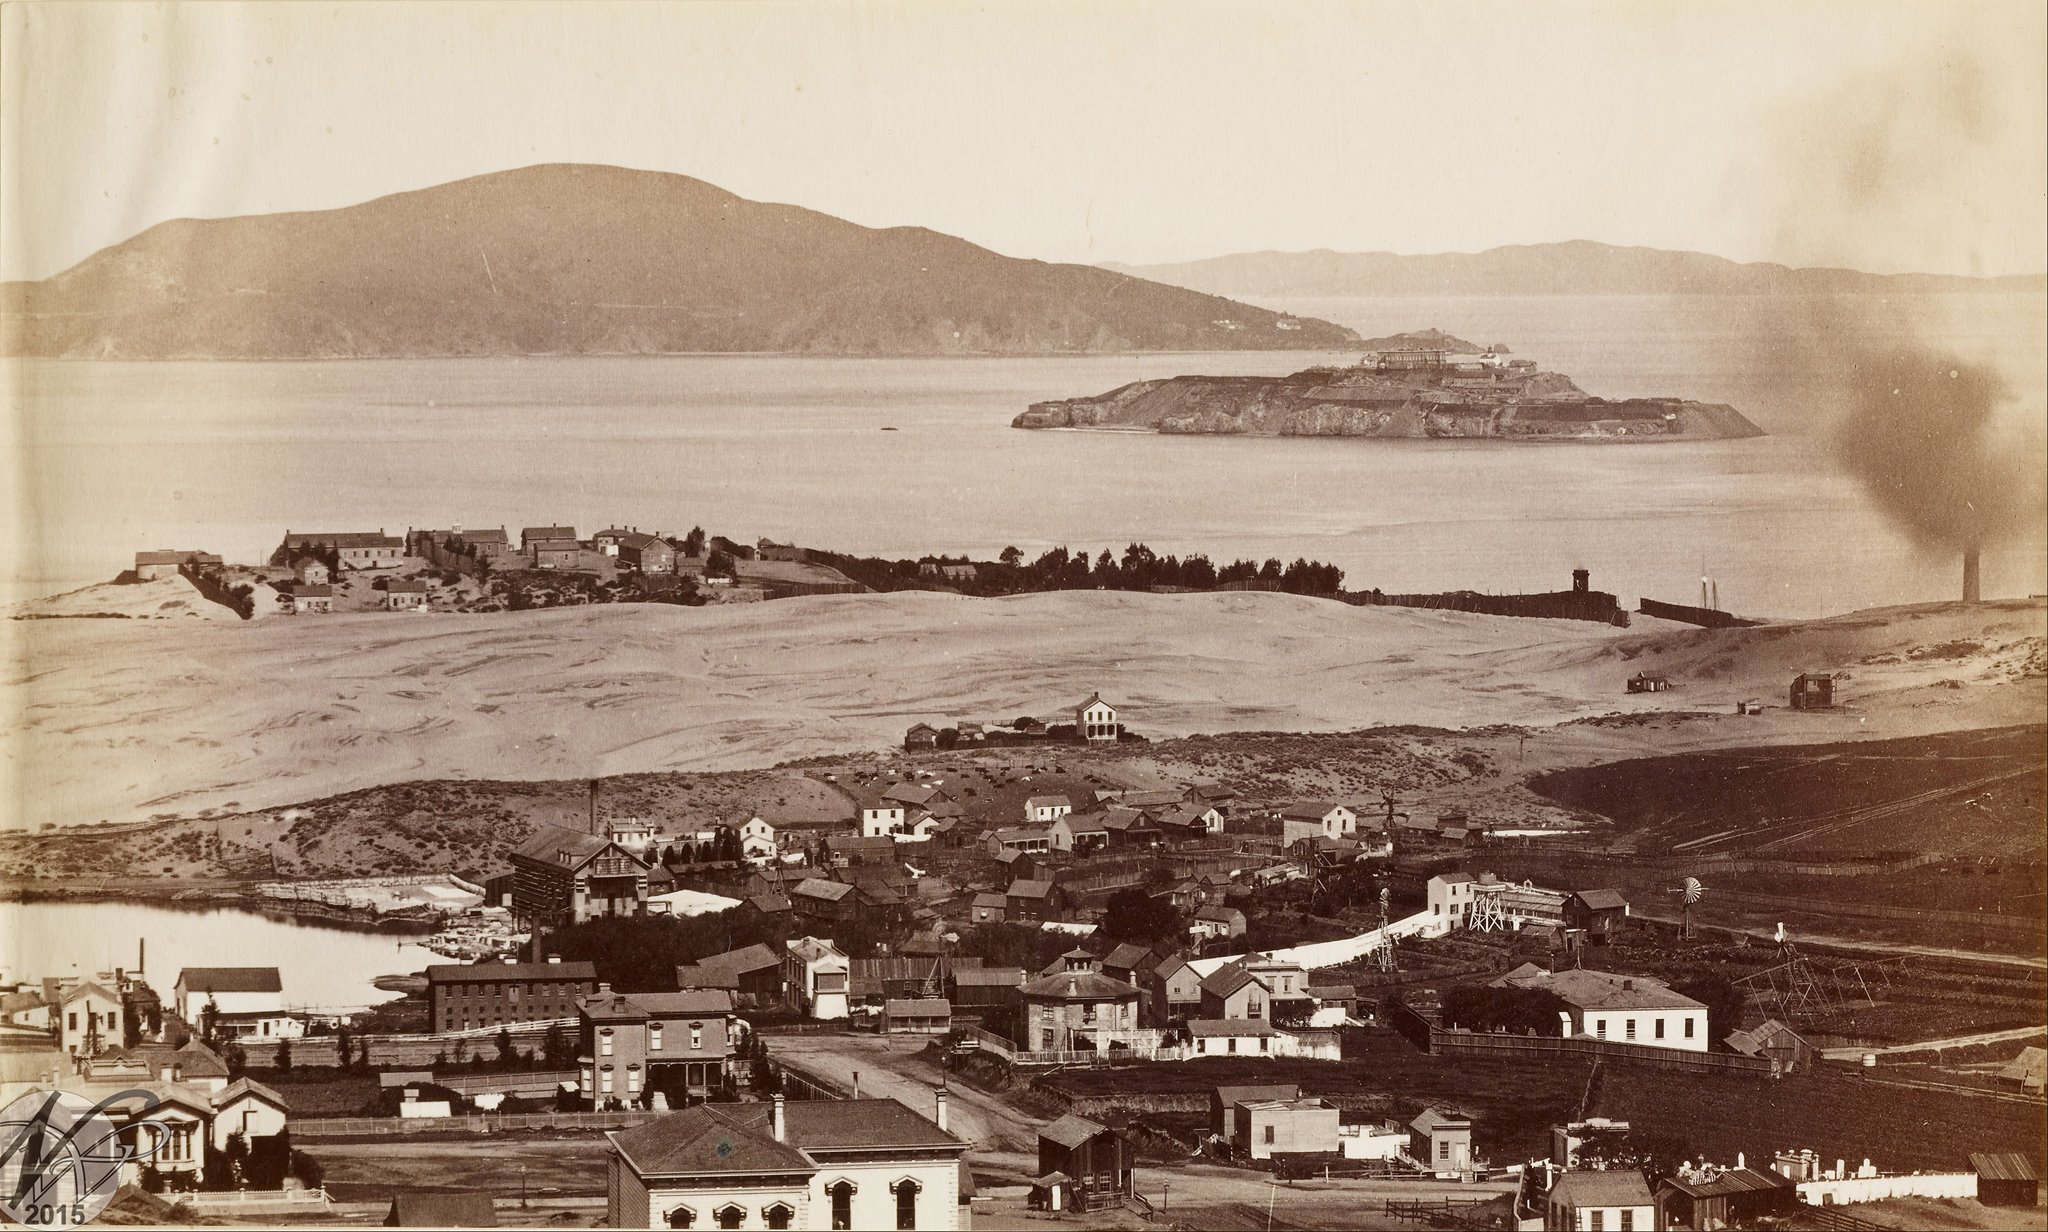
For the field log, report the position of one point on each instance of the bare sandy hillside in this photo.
(120, 720)
(165, 598)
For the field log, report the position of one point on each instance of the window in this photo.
(1269, 1135)
(654, 1037)
(906, 1203)
(1688, 1027)
(604, 1080)
(604, 1042)
(1600, 1027)
(842, 1204)
(1599, 1220)
(1628, 1219)
(74, 1020)
(1660, 1029)
(1629, 1028)
(696, 1036)
(681, 1217)
(632, 1080)
(1443, 1148)
(730, 1216)
(779, 1215)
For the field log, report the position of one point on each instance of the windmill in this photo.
(1689, 894)
(1387, 801)
(1382, 952)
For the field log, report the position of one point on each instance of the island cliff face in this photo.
(1433, 395)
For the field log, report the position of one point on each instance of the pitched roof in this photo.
(1314, 810)
(1600, 990)
(1199, 1028)
(1228, 978)
(312, 590)
(1733, 1181)
(547, 843)
(769, 903)
(913, 793)
(345, 539)
(1083, 823)
(246, 1086)
(1055, 801)
(818, 887)
(991, 899)
(1078, 986)
(988, 977)
(1614, 1187)
(405, 586)
(231, 979)
(1220, 915)
(442, 1210)
(1029, 889)
(548, 532)
(2003, 1166)
(1257, 1091)
(1753, 1041)
(747, 958)
(1092, 699)
(705, 1139)
(1125, 819)
(1126, 956)
(477, 973)
(1434, 1117)
(1071, 1131)
(1602, 900)
(917, 1007)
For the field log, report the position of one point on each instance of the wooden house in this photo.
(1083, 1166)
(1599, 913)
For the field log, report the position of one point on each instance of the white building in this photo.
(1322, 819)
(757, 840)
(1595, 1201)
(899, 809)
(1043, 810)
(1095, 721)
(823, 1164)
(88, 1019)
(1621, 1008)
(246, 1002)
(815, 974)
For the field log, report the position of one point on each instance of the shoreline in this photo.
(204, 896)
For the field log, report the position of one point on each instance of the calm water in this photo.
(320, 967)
(227, 456)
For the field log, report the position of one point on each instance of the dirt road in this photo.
(1959, 1041)
(1003, 1137)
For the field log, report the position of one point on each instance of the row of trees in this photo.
(1139, 568)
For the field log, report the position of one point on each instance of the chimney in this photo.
(940, 1115)
(1970, 582)
(1582, 580)
(141, 949)
(775, 1121)
(603, 989)
(856, 1084)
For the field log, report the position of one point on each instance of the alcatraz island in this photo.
(1416, 385)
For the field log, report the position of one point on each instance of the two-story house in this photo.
(1069, 1010)
(1095, 721)
(88, 1019)
(234, 1001)
(1322, 819)
(815, 978)
(632, 1045)
(563, 876)
(1173, 992)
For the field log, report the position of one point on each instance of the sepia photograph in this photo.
(1093, 614)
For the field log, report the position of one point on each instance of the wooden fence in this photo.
(1477, 1043)
(465, 1123)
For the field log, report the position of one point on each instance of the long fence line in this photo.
(468, 1122)
(1451, 1040)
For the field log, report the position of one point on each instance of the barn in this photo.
(2006, 1179)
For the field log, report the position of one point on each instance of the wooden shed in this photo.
(1095, 1162)
(2006, 1179)
(1722, 1198)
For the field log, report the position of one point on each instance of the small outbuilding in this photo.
(1777, 1042)
(1813, 691)
(1724, 1197)
(1588, 1200)
(1599, 913)
(916, 1016)
(441, 1210)
(1089, 1165)
(1646, 682)
(1441, 1141)
(2006, 1179)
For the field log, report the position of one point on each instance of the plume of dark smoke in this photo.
(1921, 432)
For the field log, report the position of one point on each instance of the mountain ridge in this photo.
(1568, 267)
(587, 259)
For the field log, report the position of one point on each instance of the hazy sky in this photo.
(1884, 136)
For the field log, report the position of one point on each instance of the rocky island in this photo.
(1446, 388)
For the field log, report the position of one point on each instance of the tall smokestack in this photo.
(1970, 584)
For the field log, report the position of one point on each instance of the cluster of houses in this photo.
(1092, 721)
(109, 1039)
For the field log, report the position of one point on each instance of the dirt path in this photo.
(1670, 916)
(1958, 1041)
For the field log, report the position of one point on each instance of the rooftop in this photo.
(476, 973)
(1071, 1131)
(230, 979)
(1613, 1187)
(1201, 1028)
(1079, 986)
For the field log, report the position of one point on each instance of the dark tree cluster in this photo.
(1521, 1011)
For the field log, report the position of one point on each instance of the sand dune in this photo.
(119, 720)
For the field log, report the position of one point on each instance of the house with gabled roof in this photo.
(1079, 833)
(349, 549)
(441, 1210)
(1600, 913)
(1095, 721)
(1083, 1166)
(815, 975)
(1318, 819)
(631, 1045)
(1041, 810)
(1173, 991)
(1076, 1008)
(563, 876)
(1615, 1198)
(810, 1164)
(1629, 1009)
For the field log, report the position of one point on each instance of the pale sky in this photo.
(1886, 136)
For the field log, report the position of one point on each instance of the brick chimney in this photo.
(775, 1121)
